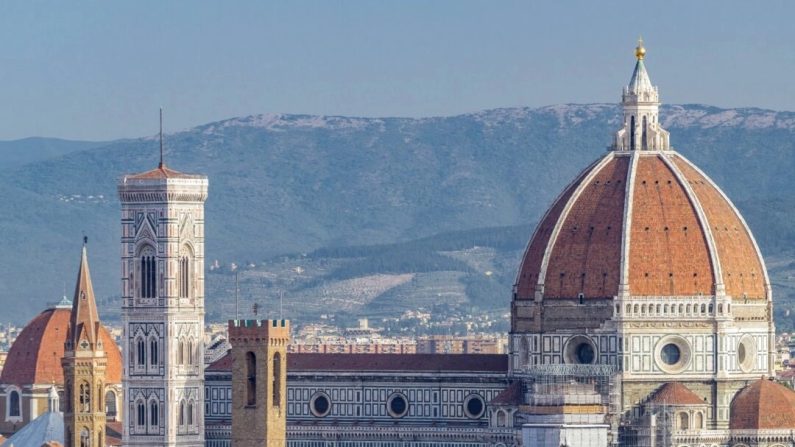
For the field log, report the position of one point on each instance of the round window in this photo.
(474, 406)
(746, 353)
(579, 350)
(397, 405)
(670, 354)
(320, 404)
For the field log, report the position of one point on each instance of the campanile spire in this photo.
(641, 103)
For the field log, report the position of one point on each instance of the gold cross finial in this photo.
(640, 51)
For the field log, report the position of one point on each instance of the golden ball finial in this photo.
(640, 51)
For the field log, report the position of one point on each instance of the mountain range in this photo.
(303, 189)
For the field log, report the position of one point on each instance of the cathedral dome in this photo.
(642, 221)
(35, 356)
(763, 405)
(645, 223)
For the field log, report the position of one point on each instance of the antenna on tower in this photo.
(237, 299)
(161, 137)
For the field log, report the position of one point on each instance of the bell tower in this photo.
(259, 382)
(162, 271)
(84, 363)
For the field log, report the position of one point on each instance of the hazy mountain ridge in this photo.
(297, 183)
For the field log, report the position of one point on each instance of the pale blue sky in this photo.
(100, 69)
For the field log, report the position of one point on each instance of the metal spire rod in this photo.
(237, 300)
(161, 137)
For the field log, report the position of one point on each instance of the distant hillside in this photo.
(299, 183)
(16, 153)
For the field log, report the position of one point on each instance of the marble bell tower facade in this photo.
(162, 279)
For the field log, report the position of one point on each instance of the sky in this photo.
(99, 70)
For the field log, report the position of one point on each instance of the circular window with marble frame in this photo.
(580, 350)
(474, 406)
(746, 353)
(320, 404)
(672, 354)
(397, 405)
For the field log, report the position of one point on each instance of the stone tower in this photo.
(162, 271)
(84, 363)
(259, 382)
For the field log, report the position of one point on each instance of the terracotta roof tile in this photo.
(531, 263)
(763, 404)
(743, 271)
(668, 253)
(674, 393)
(586, 257)
(513, 395)
(161, 172)
(300, 362)
(35, 356)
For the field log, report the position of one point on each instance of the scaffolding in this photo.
(560, 384)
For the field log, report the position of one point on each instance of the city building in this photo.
(641, 316)
(84, 367)
(34, 366)
(162, 220)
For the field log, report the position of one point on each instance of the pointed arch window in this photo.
(148, 273)
(154, 355)
(141, 351)
(632, 133)
(13, 404)
(251, 379)
(85, 438)
(154, 417)
(277, 379)
(141, 410)
(110, 404)
(190, 413)
(185, 272)
(190, 352)
(182, 413)
(85, 398)
(181, 353)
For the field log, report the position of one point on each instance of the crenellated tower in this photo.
(162, 242)
(259, 382)
(84, 365)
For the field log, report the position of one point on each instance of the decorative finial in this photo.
(640, 51)
(161, 138)
(85, 240)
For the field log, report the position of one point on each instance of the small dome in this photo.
(674, 393)
(658, 228)
(35, 356)
(763, 404)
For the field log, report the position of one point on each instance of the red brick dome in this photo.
(649, 223)
(35, 356)
(763, 405)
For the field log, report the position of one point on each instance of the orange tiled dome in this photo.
(763, 405)
(35, 356)
(654, 227)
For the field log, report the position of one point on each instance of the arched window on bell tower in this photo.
(147, 273)
(140, 351)
(154, 355)
(185, 272)
(85, 398)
